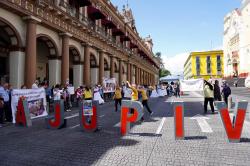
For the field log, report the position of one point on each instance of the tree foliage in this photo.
(164, 72)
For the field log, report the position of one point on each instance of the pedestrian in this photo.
(134, 95)
(1, 110)
(88, 94)
(117, 97)
(57, 92)
(35, 85)
(79, 94)
(209, 96)
(177, 89)
(97, 95)
(217, 93)
(226, 92)
(127, 92)
(145, 100)
(5, 92)
(66, 97)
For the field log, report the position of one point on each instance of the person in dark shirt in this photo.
(1, 110)
(217, 94)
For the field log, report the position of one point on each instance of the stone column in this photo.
(65, 58)
(101, 66)
(112, 66)
(136, 75)
(30, 58)
(120, 72)
(131, 73)
(54, 71)
(86, 71)
(17, 63)
(128, 72)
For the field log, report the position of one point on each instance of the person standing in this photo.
(177, 89)
(1, 110)
(134, 96)
(117, 97)
(145, 99)
(4, 91)
(209, 96)
(88, 94)
(217, 94)
(226, 91)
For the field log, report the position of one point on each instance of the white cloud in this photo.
(175, 64)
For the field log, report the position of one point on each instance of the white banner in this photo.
(36, 102)
(109, 85)
(191, 85)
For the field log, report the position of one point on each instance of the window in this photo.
(208, 64)
(218, 63)
(198, 65)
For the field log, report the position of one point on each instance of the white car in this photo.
(247, 82)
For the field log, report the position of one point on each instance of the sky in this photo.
(179, 27)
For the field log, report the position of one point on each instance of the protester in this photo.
(23, 87)
(5, 93)
(127, 92)
(88, 94)
(79, 94)
(35, 85)
(226, 91)
(1, 110)
(209, 96)
(66, 97)
(145, 99)
(217, 93)
(134, 96)
(57, 92)
(177, 89)
(97, 96)
(154, 93)
(117, 97)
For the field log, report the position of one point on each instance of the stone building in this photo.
(82, 41)
(236, 42)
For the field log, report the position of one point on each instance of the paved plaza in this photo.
(149, 143)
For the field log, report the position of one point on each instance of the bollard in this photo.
(127, 118)
(179, 120)
(86, 126)
(23, 114)
(57, 121)
(233, 130)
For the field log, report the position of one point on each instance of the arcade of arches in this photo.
(29, 51)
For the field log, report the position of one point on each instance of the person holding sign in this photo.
(87, 94)
(117, 97)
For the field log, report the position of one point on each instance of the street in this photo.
(149, 143)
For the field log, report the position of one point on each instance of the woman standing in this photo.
(117, 97)
(209, 96)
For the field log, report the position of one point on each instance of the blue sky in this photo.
(178, 27)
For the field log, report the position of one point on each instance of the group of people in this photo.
(168, 89)
(5, 104)
(213, 92)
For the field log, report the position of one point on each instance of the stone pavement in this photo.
(147, 144)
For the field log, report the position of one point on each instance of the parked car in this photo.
(247, 82)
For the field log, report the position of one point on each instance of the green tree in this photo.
(162, 72)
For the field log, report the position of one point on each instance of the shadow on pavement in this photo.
(195, 137)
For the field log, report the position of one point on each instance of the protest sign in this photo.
(109, 85)
(36, 99)
(191, 85)
(87, 108)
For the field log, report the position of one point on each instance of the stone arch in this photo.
(106, 65)
(53, 48)
(93, 61)
(116, 67)
(73, 51)
(11, 54)
(10, 30)
(75, 66)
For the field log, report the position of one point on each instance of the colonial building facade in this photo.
(82, 41)
(207, 64)
(236, 43)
